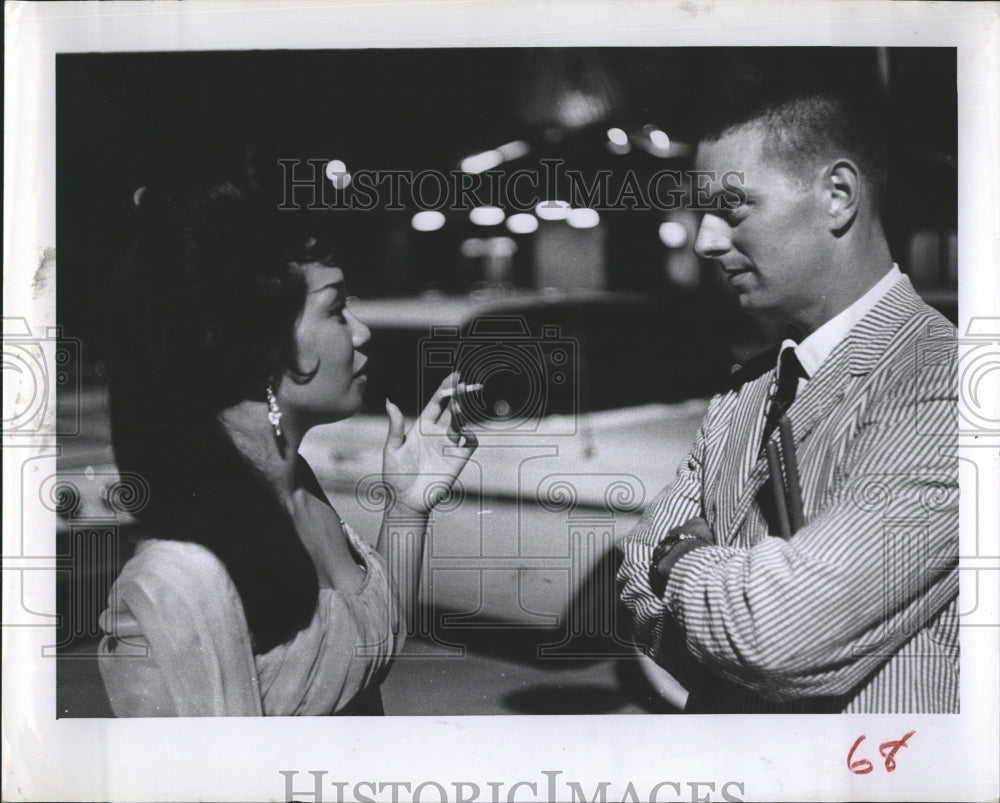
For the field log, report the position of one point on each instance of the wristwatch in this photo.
(670, 545)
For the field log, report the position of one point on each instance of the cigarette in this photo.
(449, 392)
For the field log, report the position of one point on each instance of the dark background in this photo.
(130, 120)
(124, 120)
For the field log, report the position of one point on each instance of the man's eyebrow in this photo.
(338, 286)
(701, 203)
(723, 193)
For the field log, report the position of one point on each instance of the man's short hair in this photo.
(811, 108)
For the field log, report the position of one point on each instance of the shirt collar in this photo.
(818, 346)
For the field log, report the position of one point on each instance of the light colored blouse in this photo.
(177, 642)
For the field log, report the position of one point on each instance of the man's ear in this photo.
(842, 193)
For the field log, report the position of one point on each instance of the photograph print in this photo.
(479, 381)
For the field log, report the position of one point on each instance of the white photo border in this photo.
(774, 758)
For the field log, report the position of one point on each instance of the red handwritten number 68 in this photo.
(863, 766)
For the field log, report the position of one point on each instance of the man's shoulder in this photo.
(933, 317)
(904, 330)
(903, 308)
(905, 350)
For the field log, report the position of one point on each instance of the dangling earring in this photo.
(273, 411)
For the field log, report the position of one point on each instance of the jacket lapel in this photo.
(741, 473)
(856, 356)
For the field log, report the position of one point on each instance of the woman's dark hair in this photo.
(204, 314)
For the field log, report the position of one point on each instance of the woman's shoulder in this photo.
(183, 573)
(175, 593)
(175, 603)
(168, 559)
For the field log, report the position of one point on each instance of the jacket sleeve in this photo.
(648, 620)
(817, 614)
(177, 642)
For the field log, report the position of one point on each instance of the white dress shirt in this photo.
(814, 349)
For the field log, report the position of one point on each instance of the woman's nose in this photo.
(360, 334)
(713, 238)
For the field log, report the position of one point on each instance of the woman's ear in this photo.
(842, 193)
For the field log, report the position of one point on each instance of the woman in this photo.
(251, 597)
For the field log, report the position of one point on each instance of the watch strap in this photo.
(666, 554)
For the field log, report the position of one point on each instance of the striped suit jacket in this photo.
(858, 611)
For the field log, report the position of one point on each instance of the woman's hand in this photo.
(421, 465)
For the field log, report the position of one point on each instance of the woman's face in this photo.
(329, 342)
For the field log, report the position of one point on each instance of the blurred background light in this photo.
(522, 223)
(501, 246)
(472, 247)
(673, 234)
(427, 221)
(336, 171)
(568, 89)
(659, 139)
(583, 218)
(481, 162)
(656, 142)
(553, 210)
(617, 136)
(487, 215)
(514, 150)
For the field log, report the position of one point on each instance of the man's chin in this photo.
(754, 304)
(747, 299)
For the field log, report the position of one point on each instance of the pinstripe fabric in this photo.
(858, 611)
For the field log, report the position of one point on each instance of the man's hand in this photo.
(421, 465)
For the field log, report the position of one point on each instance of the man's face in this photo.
(773, 246)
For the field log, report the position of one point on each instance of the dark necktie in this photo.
(789, 372)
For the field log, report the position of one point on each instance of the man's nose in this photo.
(360, 334)
(713, 238)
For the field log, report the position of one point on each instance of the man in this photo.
(857, 610)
